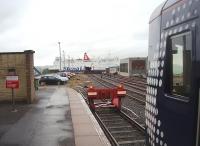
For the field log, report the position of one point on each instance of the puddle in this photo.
(61, 121)
(64, 141)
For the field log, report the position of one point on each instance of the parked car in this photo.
(50, 80)
(70, 74)
(64, 74)
(73, 74)
(63, 79)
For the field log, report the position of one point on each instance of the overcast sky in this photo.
(98, 27)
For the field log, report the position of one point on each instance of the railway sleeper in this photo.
(136, 97)
(110, 124)
(137, 94)
(123, 134)
(111, 118)
(108, 115)
(107, 112)
(134, 139)
(132, 143)
(113, 121)
(122, 131)
(118, 120)
(119, 128)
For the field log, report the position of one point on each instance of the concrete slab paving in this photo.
(81, 119)
(88, 141)
(77, 112)
(84, 129)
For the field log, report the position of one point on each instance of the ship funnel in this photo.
(86, 58)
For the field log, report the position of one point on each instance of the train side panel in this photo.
(151, 110)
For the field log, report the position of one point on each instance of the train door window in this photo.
(181, 47)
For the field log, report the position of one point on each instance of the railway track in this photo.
(132, 92)
(119, 128)
(133, 105)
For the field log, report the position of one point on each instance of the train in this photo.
(172, 110)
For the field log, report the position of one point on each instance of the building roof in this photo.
(134, 58)
(25, 52)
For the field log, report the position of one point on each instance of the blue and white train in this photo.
(173, 92)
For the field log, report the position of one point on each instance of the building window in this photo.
(124, 67)
(180, 64)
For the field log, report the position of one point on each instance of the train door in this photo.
(198, 122)
(197, 78)
(181, 89)
(186, 87)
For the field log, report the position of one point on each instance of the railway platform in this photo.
(59, 118)
(86, 129)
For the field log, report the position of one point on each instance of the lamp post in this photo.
(60, 54)
(64, 58)
(68, 61)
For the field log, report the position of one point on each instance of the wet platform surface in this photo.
(47, 123)
(59, 118)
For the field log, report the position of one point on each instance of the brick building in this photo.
(22, 64)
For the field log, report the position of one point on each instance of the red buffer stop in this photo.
(114, 96)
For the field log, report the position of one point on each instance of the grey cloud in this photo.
(131, 52)
(143, 35)
(10, 11)
(93, 42)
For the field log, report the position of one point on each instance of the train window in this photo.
(181, 46)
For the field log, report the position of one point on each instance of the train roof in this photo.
(157, 12)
